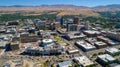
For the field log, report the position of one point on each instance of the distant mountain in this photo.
(61, 5)
(16, 6)
(57, 5)
(64, 5)
(113, 7)
(61, 9)
(109, 6)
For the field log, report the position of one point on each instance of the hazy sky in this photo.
(54, 2)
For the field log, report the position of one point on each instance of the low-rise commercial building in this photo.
(113, 35)
(62, 31)
(95, 42)
(92, 33)
(64, 64)
(2, 31)
(11, 30)
(113, 51)
(83, 61)
(107, 40)
(100, 44)
(25, 37)
(43, 51)
(91, 40)
(14, 45)
(85, 46)
(47, 47)
(3, 44)
(72, 50)
(105, 59)
(12, 23)
(75, 35)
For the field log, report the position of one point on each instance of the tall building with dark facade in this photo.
(76, 20)
(60, 19)
(72, 27)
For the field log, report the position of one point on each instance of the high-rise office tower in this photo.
(60, 19)
(72, 27)
(76, 20)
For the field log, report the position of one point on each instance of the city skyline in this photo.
(88, 3)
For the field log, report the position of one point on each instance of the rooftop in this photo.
(113, 50)
(92, 32)
(47, 40)
(91, 40)
(106, 57)
(83, 60)
(104, 38)
(65, 64)
(85, 45)
(100, 43)
(30, 47)
(110, 41)
(2, 43)
(75, 35)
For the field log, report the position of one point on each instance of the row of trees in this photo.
(105, 16)
(17, 16)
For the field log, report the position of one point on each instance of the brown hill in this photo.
(59, 9)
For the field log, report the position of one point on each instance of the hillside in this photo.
(60, 10)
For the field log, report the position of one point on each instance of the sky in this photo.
(89, 3)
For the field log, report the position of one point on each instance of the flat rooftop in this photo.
(72, 50)
(85, 45)
(3, 43)
(65, 64)
(104, 38)
(100, 43)
(110, 41)
(83, 60)
(92, 32)
(75, 35)
(113, 50)
(106, 57)
(91, 40)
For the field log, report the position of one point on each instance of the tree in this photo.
(94, 54)
(101, 53)
(67, 44)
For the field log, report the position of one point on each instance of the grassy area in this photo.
(67, 44)
(60, 40)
